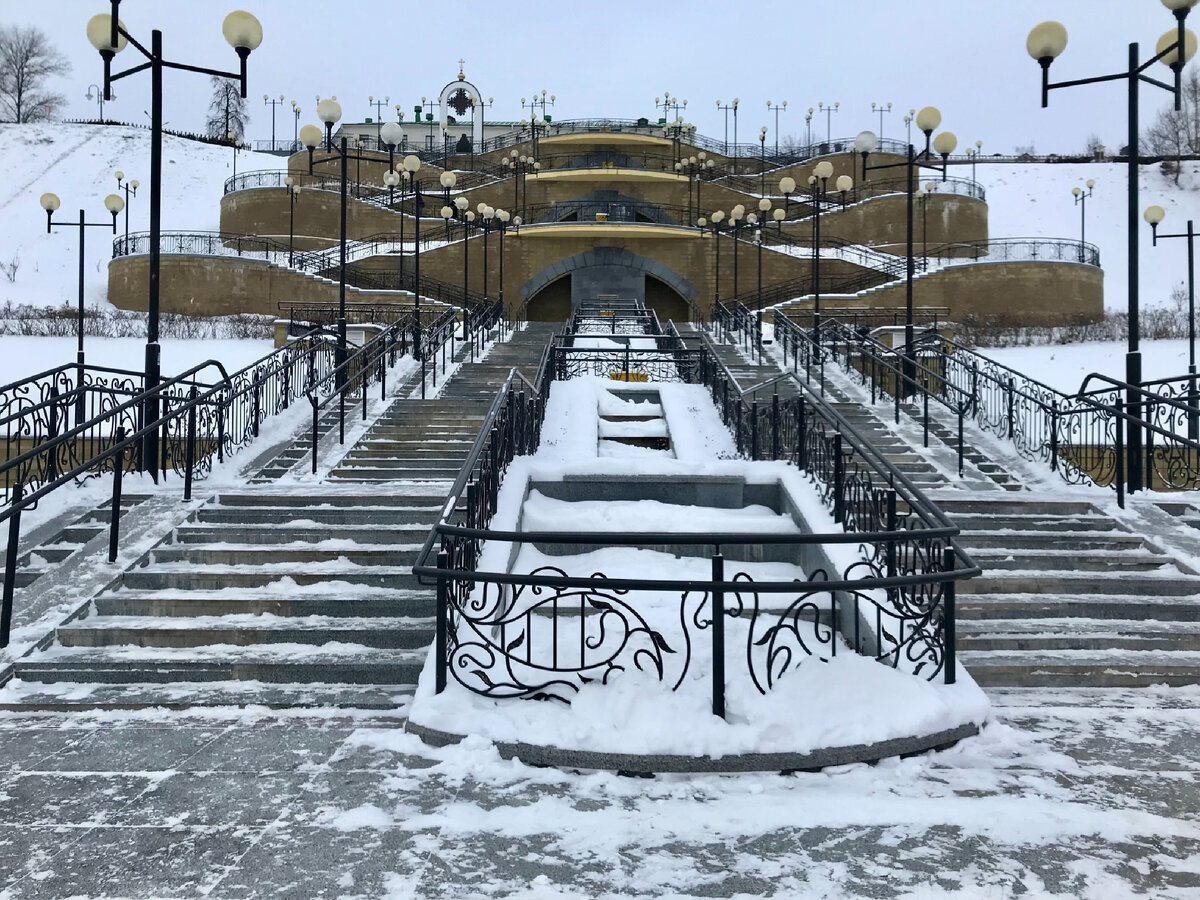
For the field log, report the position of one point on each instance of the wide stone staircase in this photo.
(284, 593)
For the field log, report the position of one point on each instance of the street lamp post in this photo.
(379, 105)
(777, 109)
(295, 126)
(105, 32)
(735, 223)
(293, 191)
(99, 96)
(787, 186)
(727, 107)
(829, 111)
(486, 213)
(467, 217)
(113, 203)
(808, 127)
(762, 160)
(236, 143)
(412, 165)
(818, 183)
(130, 188)
(271, 102)
(447, 180)
(1081, 199)
(882, 109)
(716, 218)
(927, 120)
(502, 219)
(1045, 43)
(1153, 216)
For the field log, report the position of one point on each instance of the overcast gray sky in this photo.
(612, 58)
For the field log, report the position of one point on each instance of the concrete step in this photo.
(67, 697)
(296, 517)
(317, 600)
(413, 533)
(397, 474)
(1072, 584)
(246, 630)
(1046, 634)
(212, 578)
(352, 500)
(283, 554)
(1066, 541)
(996, 560)
(288, 663)
(1083, 668)
(405, 460)
(1033, 607)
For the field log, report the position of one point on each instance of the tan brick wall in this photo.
(1028, 293)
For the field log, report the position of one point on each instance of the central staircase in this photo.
(296, 591)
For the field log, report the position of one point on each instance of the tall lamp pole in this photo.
(113, 203)
(829, 111)
(269, 101)
(244, 33)
(293, 191)
(727, 107)
(818, 182)
(1045, 43)
(781, 107)
(882, 109)
(762, 160)
(865, 143)
(1081, 199)
(295, 126)
(99, 96)
(130, 187)
(1153, 216)
(715, 221)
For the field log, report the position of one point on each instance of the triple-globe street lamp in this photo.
(130, 188)
(1154, 216)
(1045, 43)
(108, 35)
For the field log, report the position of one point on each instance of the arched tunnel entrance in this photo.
(552, 294)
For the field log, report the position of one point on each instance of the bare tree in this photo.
(1176, 134)
(27, 61)
(226, 110)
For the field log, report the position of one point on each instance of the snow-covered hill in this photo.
(77, 163)
(1036, 201)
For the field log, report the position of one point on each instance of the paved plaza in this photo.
(1069, 794)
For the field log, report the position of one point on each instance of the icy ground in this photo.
(1074, 794)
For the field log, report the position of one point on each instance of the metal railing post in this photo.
(1008, 387)
(257, 409)
(440, 663)
(839, 480)
(189, 457)
(1054, 435)
(754, 430)
(801, 426)
(775, 426)
(114, 521)
(718, 636)
(10, 565)
(949, 614)
(1119, 430)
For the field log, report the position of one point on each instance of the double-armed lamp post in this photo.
(1045, 43)
(1154, 216)
(818, 184)
(130, 188)
(50, 203)
(293, 191)
(1081, 199)
(109, 37)
(927, 120)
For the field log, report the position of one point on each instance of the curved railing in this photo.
(1013, 250)
(366, 191)
(511, 634)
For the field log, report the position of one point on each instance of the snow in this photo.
(1035, 200)
(630, 713)
(77, 162)
(1064, 366)
(23, 355)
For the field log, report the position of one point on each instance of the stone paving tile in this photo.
(212, 799)
(311, 862)
(129, 749)
(269, 748)
(55, 798)
(134, 862)
(22, 749)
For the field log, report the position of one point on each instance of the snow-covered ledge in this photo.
(834, 710)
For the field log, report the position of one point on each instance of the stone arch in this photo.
(476, 108)
(616, 259)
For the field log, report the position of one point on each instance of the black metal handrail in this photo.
(511, 429)
(1015, 249)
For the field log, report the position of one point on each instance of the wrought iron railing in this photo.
(1013, 250)
(543, 633)
(1079, 436)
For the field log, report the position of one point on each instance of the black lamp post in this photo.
(727, 107)
(379, 105)
(236, 143)
(1154, 215)
(295, 126)
(762, 160)
(467, 218)
(716, 219)
(883, 109)
(1081, 199)
(502, 219)
(105, 32)
(130, 187)
(781, 107)
(927, 120)
(829, 111)
(113, 203)
(271, 102)
(293, 191)
(447, 180)
(1046, 43)
(486, 213)
(818, 184)
(736, 215)
(412, 165)
(99, 96)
